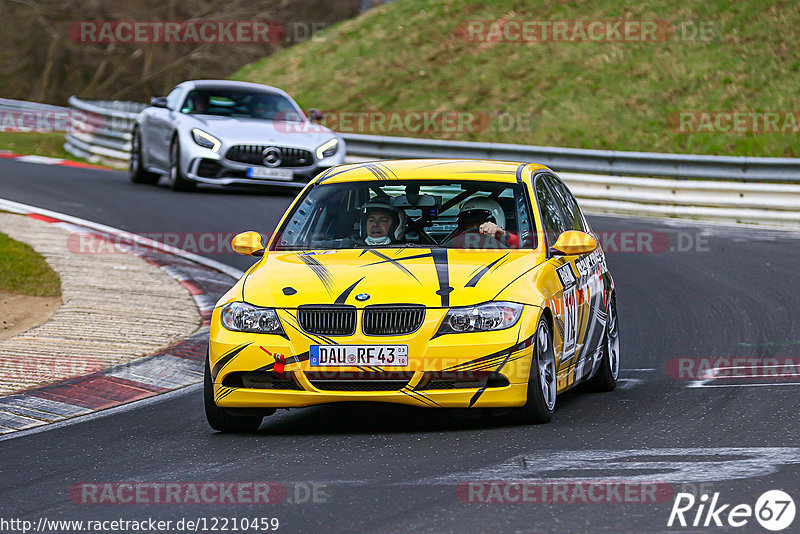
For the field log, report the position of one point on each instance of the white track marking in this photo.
(775, 384)
(668, 465)
(41, 160)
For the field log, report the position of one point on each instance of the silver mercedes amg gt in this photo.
(226, 132)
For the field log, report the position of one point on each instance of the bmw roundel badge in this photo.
(362, 297)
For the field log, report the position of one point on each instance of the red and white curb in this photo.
(175, 367)
(45, 160)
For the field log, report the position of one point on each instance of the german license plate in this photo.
(353, 355)
(267, 172)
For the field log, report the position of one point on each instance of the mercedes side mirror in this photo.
(158, 102)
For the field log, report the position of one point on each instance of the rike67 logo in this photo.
(774, 510)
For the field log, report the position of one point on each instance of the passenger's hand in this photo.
(490, 228)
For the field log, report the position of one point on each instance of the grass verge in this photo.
(25, 272)
(40, 144)
(415, 55)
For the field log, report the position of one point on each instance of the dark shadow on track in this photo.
(348, 418)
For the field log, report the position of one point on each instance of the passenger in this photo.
(484, 215)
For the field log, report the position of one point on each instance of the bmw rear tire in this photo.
(608, 373)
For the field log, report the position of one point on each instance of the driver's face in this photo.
(378, 224)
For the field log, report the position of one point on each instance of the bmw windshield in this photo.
(446, 214)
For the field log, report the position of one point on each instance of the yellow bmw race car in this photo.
(435, 283)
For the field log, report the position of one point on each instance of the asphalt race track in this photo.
(731, 294)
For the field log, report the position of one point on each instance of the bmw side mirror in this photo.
(158, 102)
(573, 243)
(248, 244)
(315, 115)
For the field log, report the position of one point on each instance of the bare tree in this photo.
(40, 60)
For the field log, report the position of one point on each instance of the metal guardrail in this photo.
(608, 162)
(7, 104)
(101, 130)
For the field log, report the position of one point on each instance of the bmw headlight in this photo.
(481, 318)
(243, 317)
(328, 149)
(205, 140)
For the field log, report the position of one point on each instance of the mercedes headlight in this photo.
(328, 149)
(243, 317)
(481, 318)
(206, 140)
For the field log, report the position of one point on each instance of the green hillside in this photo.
(416, 56)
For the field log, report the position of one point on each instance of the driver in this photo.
(262, 109)
(485, 215)
(381, 223)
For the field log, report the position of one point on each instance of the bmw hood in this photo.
(243, 131)
(430, 277)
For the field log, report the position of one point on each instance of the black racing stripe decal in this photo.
(393, 261)
(490, 364)
(385, 171)
(474, 280)
(424, 396)
(224, 393)
(330, 173)
(420, 397)
(380, 171)
(497, 355)
(440, 261)
(404, 258)
(475, 397)
(320, 270)
(478, 393)
(519, 172)
(346, 293)
(226, 358)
